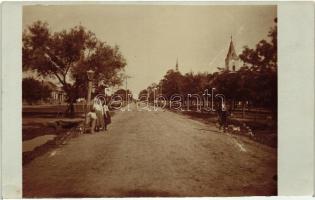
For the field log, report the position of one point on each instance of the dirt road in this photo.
(153, 154)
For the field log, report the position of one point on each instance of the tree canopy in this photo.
(67, 55)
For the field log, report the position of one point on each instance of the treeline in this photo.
(254, 84)
(34, 90)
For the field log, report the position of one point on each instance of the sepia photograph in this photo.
(136, 100)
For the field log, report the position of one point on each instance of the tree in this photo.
(123, 94)
(172, 83)
(264, 56)
(67, 55)
(33, 90)
(142, 94)
(262, 66)
(195, 84)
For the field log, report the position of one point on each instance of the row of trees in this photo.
(255, 82)
(33, 90)
(67, 56)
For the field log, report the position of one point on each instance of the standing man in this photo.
(222, 112)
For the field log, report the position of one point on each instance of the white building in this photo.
(57, 95)
(232, 61)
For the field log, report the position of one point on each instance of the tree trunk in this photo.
(233, 105)
(243, 109)
(71, 100)
(70, 110)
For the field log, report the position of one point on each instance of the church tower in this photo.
(232, 60)
(176, 67)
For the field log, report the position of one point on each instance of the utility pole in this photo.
(90, 75)
(126, 79)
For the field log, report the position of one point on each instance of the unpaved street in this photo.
(153, 154)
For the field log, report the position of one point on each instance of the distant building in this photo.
(176, 67)
(232, 61)
(57, 95)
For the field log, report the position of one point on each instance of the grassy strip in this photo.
(262, 131)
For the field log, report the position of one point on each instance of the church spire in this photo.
(231, 53)
(176, 67)
(231, 57)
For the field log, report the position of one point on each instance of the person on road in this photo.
(91, 120)
(99, 113)
(107, 119)
(222, 112)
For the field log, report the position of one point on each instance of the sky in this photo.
(153, 37)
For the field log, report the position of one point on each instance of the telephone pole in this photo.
(126, 81)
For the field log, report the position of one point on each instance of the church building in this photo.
(232, 61)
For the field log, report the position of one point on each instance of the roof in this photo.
(52, 86)
(231, 53)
